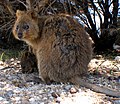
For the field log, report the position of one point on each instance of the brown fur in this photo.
(28, 62)
(62, 47)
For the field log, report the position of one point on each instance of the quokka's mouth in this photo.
(20, 35)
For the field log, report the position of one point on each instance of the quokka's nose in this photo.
(20, 35)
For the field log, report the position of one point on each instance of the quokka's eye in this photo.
(17, 27)
(26, 27)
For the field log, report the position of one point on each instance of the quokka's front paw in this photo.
(28, 62)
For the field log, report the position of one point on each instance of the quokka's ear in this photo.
(19, 13)
(33, 14)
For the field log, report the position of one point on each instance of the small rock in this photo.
(117, 102)
(32, 100)
(1, 63)
(24, 101)
(17, 98)
(1, 85)
(73, 90)
(12, 59)
(10, 93)
(12, 63)
(58, 100)
(15, 64)
(18, 62)
(117, 58)
(6, 102)
(55, 95)
(67, 87)
(1, 98)
(1, 67)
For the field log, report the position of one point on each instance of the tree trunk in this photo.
(115, 12)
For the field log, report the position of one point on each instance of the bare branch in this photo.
(22, 3)
(8, 5)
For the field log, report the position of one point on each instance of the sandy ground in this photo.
(19, 88)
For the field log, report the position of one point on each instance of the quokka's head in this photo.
(26, 26)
